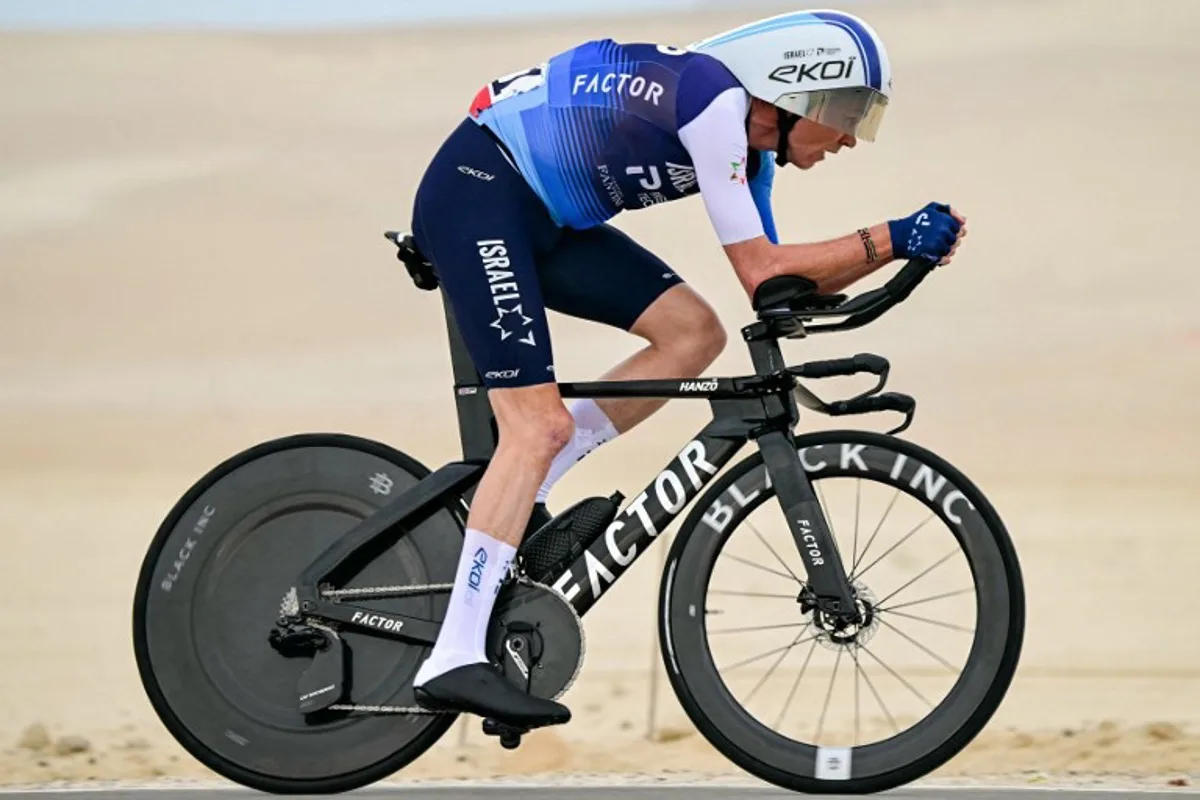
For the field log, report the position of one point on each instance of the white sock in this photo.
(592, 429)
(463, 636)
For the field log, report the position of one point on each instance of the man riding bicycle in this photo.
(512, 215)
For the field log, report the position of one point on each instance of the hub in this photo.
(297, 641)
(835, 630)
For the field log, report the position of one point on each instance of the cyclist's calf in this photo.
(534, 426)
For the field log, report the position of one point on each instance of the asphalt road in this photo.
(649, 792)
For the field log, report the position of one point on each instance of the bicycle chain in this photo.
(383, 591)
(387, 591)
(406, 710)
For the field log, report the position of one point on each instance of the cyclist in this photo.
(512, 213)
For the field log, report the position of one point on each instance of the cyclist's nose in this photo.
(844, 140)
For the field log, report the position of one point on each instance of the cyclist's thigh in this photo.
(482, 228)
(601, 274)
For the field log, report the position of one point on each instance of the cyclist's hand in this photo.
(934, 232)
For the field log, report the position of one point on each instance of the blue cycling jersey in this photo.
(596, 129)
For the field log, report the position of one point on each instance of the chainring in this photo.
(537, 639)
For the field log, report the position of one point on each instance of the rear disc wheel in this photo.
(211, 590)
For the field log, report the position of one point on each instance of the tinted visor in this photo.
(857, 111)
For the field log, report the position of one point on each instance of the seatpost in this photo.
(476, 424)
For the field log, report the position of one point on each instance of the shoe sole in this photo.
(431, 703)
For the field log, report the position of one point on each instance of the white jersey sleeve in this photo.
(716, 141)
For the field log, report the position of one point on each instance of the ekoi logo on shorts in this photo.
(476, 173)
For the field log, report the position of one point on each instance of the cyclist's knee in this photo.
(541, 436)
(711, 339)
(682, 322)
(698, 334)
(534, 420)
(557, 430)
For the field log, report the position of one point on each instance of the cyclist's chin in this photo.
(808, 160)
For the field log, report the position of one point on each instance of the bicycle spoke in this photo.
(929, 621)
(782, 563)
(829, 694)
(891, 549)
(924, 600)
(795, 685)
(750, 563)
(854, 655)
(778, 661)
(791, 597)
(920, 575)
(760, 656)
(857, 506)
(915, 643)
(886, 511)
(897, 676)
(875, 692)
(761, 627)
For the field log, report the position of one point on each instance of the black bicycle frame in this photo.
(759, 407)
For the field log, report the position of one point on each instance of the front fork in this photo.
(818, 551)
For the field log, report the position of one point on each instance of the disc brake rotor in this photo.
(831, 637)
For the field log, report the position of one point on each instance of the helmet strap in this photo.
(786, 121)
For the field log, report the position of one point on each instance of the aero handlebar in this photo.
(863, 308)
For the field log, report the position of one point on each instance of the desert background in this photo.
(191, 262)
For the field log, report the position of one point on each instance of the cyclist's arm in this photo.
(716, 141)
(832, 265)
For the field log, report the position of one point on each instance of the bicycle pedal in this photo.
(509, 735)
(551, 549)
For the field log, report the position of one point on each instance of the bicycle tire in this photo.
(310, 488)
(900, 759)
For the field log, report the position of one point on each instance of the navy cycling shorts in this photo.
(502, 261)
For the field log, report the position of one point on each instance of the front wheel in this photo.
(811, 705)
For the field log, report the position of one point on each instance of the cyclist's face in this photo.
(809, 143)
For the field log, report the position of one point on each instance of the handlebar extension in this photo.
(863, 362)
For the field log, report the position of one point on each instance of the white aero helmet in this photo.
(826, 66)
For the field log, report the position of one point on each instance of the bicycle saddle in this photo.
(419, 268)
(792, 293)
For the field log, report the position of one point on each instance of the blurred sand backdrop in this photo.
(191, 261)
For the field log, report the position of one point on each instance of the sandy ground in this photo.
(191, 262)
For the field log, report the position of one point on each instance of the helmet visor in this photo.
(857, 111)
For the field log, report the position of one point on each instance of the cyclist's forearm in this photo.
(837, 263)
(832, 265)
